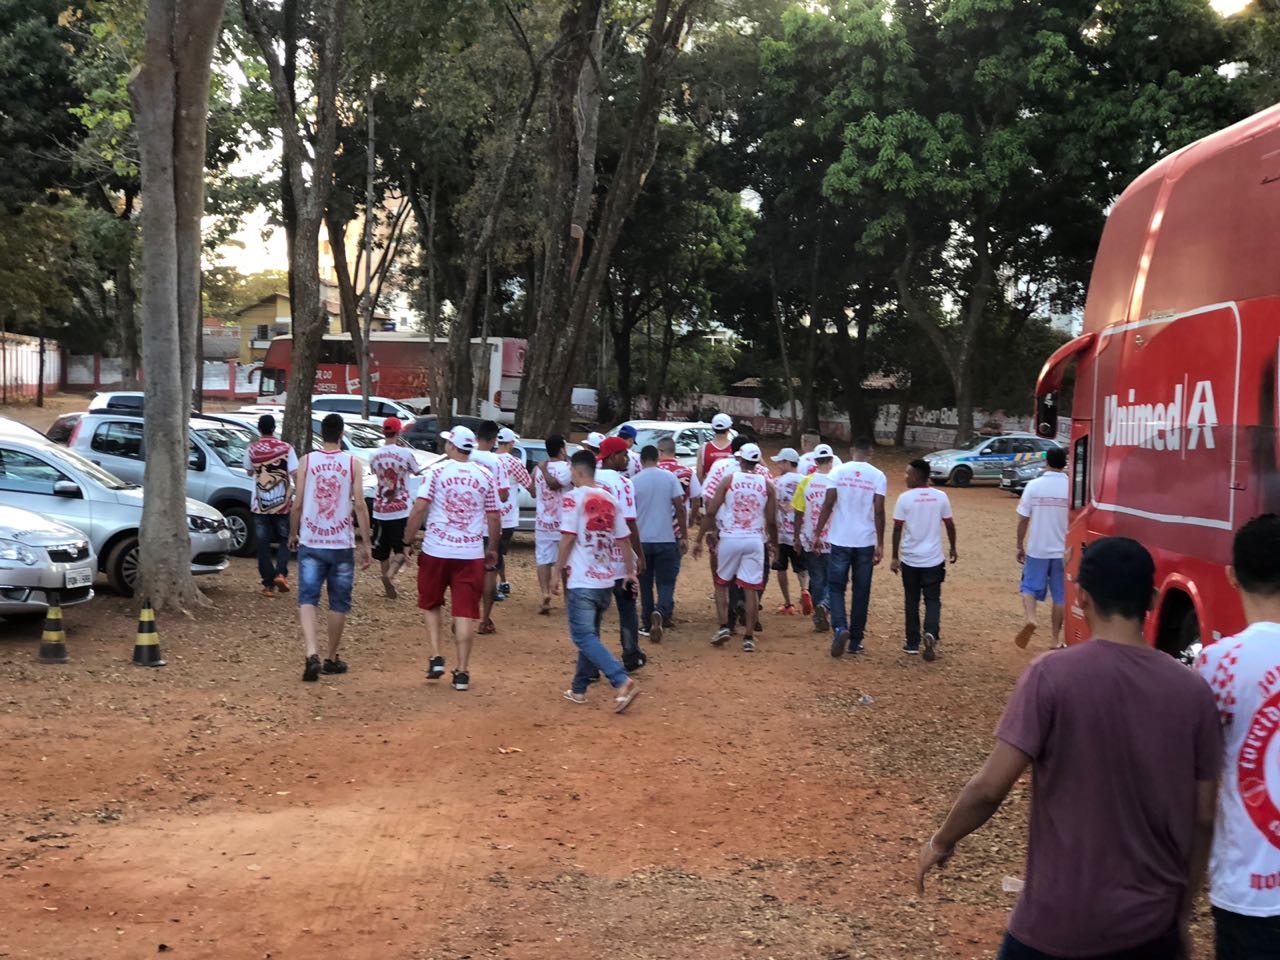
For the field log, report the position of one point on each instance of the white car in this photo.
(380, 408)
(41, 558)
(689, 437)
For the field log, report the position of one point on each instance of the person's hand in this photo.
(929, 858)
(640, 567)
(697, 550)
(366, 557)
(878, 556)
(293, 541)
(684, 546)
(557, 579)
(1022, 555)
(954, 556)
(491, 559)
(632, 582)
(408, 551)
(895, 565)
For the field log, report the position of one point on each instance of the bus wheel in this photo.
(961, 476)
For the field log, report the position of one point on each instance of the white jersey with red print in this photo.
(327, 519)
(742, 514)
(721, 470)
(548, 501)
(625, 495)
(634, 465)
(595, 519)
(815, 494)
(517, 479)
(688, 483)
(391, 466)
(461, 495)
(785, 485)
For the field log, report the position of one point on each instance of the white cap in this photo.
(460, 437)
(749, 452)
(786, 455)
(823, 450)
(507, 435)
(721, 421)
(593, 440)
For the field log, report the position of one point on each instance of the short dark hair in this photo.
(586, 460)
(267, 425)
(649, 454)
(921, 469)
(738, 442)
(487, 431)
(667, 443)
(863, 444)
(331, 428)
(1056, 458)
(1255, 555)
(555, 443)
(1119, 574)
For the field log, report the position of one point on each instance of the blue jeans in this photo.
(628, 624)
(818, 565)
(333, 569)
(268, 527)
(856, 564)
(586, 609)
(661, 566)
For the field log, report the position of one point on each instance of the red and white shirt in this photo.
(595, 519)
(517, 479)
(785, 484)
(391, 466)
(742, 514)
(711, 454)
(548, 501)
(461, 496)
(625, 495)
(688, 483)
(814, 495)
(328, 521)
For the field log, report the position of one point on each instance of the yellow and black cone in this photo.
(53, 642)
(146, 652)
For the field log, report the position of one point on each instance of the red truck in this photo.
(1176, 397)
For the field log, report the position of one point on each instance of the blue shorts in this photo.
(1042, 577)
(335, 569)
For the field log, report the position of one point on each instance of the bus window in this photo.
(270, 382)
(337, 351)
(1080, 474)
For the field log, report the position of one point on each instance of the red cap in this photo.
(391, 426)
(611, 446)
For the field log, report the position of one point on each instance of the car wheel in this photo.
(122, 567)
(240, 523)
(961, 477)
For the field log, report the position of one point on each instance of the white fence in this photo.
(20, 365)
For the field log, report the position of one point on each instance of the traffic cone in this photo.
(53, 642)
(146, 652)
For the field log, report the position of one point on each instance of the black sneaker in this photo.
(336, 665)
(504, 588)
(655, 628)
(435, 670)
(461, 680)
(821, 618)
(499, 597)
(911, 649)
(856, 648)
(930, 647)
(748, 645)
(311, 673)
(838, 640)
(635, 663)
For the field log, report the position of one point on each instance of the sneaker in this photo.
(336, 665)
(461, 680)
(269, 592)
(930, 647)
(644, 634)
(504, 588)
(435, 669)
(655, 628)
(748, 645)
(721, 637)
(806, 602)
(838, 641)
(282, 583)
(856, 648)
(635, 663)
(311, 672)
(821, 618)
(910, 649)
(786, 610)
(499, 597)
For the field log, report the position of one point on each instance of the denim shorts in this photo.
(335, 569)
(1044, 577)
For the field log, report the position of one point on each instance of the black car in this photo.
(424, 433)
(1015, 478)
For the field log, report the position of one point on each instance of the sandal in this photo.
(578, 698)
(630, 690)
(487, 628)
(546, 607)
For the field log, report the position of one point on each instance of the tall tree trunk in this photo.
(127, 319)
(370, 170)
(853, 357)
(347, 300)
(170, 92)
(785, 352)
(658, 389)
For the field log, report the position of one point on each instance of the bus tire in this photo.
(961, 477)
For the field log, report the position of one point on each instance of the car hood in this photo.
(27, 527)
(195, 508)
(944, 454)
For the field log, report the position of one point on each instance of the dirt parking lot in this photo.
(748, 806)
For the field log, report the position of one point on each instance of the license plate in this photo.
(224, 534)
(79, 578)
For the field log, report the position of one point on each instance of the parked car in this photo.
(59, 484)
(118, 401)
(41, 557)
(424, 432)
(1015, 478)
(689, 437)
(533, 452)
(215, 466)
(379, 407)
(62, 428)
(984, 458)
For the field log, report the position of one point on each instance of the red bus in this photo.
(399, 369)
(1176, 397)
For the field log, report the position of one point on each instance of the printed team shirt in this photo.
(492, 462)
(624, 495)
(722, 469)
(548, 501)
(853, 521)
(517, 479)
(1044, 501)
(633, 461)
(270, 461)
(688, 483)
(391, 466)
(595, 519)
(742, 514)
(1244, 674)
(786, 485)
(328, 522)
(461, 496)
(922, 510)
(711, 455)
(809, 498)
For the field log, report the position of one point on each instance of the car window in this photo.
(1046, 445)
(23, 473)
(1003, 445)
(125, 403)
(118, 438)
(1024, 446)
(228, 443)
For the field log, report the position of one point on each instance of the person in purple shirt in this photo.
(1124, 745)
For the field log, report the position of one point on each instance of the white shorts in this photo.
(546, 548)
(741, 559)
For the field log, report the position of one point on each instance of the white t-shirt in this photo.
(1045, 500)
(1244, 674)
(328, 522)
(815, 494)
(786, 485)
(624, 494)
(742, 514)
(391, 466)
(922, 510)
(517, 479)
(492, 462)
(853, 521)
(549, 501)
(634, 465)
(809, 464)
(462, 496)
(719, 470)
(595, 519)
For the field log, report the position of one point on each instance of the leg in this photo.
(1058, 591)
(466, 580)
(464, 632)
(310, 580)
(668, 570)
(646, 585)
(860, 575)
(434, 620)
(340, 580)
(784, 585)
(1029, 608)
(931, 584)
(911, 585)
(753, 610)
(722, 603)
(281, 523)
(1059, 615)
(307, 618)
(838, 563)
(544, 582)
(336, 622)
(628, 624)
(585, 608)
(263, 529)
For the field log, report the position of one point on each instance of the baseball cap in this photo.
(391, 426)
(460, 437)
(627, 431)
(611, 445)
(786, 455)
(507, 435)
(823, 450)
(749, 452)
(721, 421)
(593, 440)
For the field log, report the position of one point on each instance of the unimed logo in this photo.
(1162, 425)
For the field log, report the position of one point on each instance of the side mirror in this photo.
(1047, 415)
(195, 460)
(68, 489)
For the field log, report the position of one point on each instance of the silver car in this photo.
(984, 458)
(41, 558)
(60, 484)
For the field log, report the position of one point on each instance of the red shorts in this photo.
(463, 578)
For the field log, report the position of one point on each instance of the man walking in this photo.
(660, 518)
(517, 479)
(784, 485)
(744, 510)
(459, 505)
(592, 532)
(811, 539)
(392, 465)
(1043, 509)
(629, 433)
(809, 443)
(918, 519)
(1242, 671)
(321, 528)
(551, 481)
(1125, 749)
(717, 448)
(486, 456)
(855, 509)
(271, 463)
(610, 475)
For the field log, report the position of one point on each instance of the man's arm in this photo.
(698, 470)
(879, 527)
(1201, 842)
(895, 564)
(495, 534)
(951, 536)
(771, 519)
(1023, 524)
(295, 514)
(362, 512)
(562, 561)
(417, 517)
(682, 523)
(712, 509)
(638, 563)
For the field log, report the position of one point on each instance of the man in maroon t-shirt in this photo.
(1125, 748)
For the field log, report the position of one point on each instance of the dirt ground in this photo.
(747, 806)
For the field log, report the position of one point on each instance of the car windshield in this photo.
(94, 472)
(228, 443)
(649, 437)
(363, 438)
